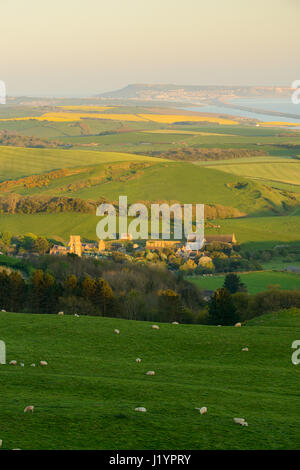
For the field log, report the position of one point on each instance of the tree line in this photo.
(89, 287)
(132, 292)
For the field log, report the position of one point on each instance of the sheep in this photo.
(138, 360)
(32, 365)
(240, 421)
(175, 323)
(155, 327)
(43, 363)
(22, 364)
(202, 410)
(29, 408)
(3, 310)
(238, 325)
(141, 408)
(13, 363)
(60, 313)
(245, 349)
(150, 372)
(117, 332)
(76, 315)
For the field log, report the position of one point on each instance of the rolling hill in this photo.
(255, 281)
(16, 162)
(85, 398)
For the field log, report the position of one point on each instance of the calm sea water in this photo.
(280, 105)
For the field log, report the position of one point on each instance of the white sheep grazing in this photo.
(175, 323)
(138, 360)
(13, 363)
(32, 365)
(238, 325)
(60, 313)
(43, 363)
(3, 310)
(76, 315)
(240, 421)
(141, 408)
(155, 327)
(29, 408)
(117, 332)
(150, 372)
(22, 364)
(202, 410)
(245, 349)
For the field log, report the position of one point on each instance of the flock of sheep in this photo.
(202, 410)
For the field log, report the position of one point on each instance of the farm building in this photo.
(78, 248)
(160, 244)
(221, 239)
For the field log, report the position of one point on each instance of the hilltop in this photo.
(160, 92)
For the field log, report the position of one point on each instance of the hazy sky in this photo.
(81, 47)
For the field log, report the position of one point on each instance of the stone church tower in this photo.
(75, 245)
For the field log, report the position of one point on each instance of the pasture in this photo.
(85, 398)
(16, 162)
(255, 281)
(287, 171)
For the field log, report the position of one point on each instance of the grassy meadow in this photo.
(287, 171)
(86, 396)
(254, 281)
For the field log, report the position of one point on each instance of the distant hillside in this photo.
(190, 93)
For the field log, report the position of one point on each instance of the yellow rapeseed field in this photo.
(171, 118)
(85, 108)
(64, 116)
(278, 123)
(69, 117)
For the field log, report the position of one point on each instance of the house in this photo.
(78, 248)
(59, 250)
(161, 244)
(230, 239)
(191, 241)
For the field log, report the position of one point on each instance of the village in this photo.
(98, 249)
(177, 254)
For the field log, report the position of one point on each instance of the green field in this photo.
(86, 396)
(262, 232)
(284, 172)
(254, 233)
(262, 187)
(255, 282)
(17, 162)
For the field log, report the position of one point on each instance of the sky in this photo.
(84, 47)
